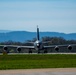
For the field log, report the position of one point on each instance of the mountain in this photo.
(5, 31)
(22, 36)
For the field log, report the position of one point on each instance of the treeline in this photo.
(50, 40)
(58, 40)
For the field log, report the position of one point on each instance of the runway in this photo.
(52, 71)
(35, 53)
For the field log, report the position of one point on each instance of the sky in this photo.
(49, 15)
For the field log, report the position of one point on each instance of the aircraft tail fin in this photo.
(38, 38)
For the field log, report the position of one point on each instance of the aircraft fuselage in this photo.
(38, 45)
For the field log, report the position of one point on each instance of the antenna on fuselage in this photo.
(38, 33)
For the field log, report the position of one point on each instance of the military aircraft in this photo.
(37, 45)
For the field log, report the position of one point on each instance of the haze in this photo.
(49, 15)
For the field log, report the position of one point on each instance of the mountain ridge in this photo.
(22, 36)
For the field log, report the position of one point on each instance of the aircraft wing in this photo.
(16, 46)
(69, 46)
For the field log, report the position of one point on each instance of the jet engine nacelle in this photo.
(19, 49)
(70, 47)
(56, 48)
(5, 48)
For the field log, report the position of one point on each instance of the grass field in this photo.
(31, 61)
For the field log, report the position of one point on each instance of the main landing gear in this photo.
(30, 51)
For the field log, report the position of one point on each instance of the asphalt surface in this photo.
(54, 71)
(35, 53)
